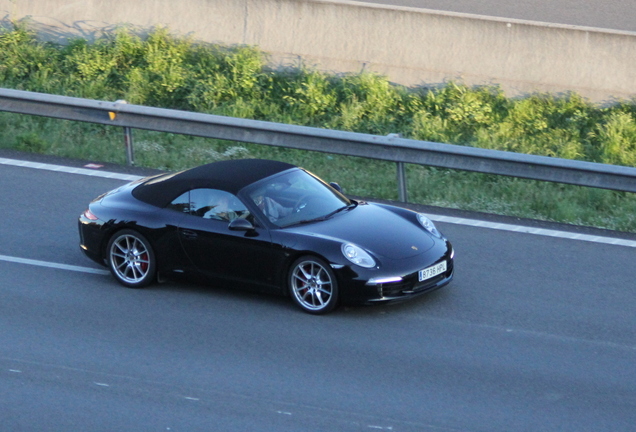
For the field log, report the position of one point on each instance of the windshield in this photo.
(296, 197)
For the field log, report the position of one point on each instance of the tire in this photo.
(131, 259)
(313, 285)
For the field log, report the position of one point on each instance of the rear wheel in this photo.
(312, 285)
(131, 259)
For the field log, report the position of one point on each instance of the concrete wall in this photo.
(410, 46)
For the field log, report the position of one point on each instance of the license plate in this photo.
(432, 271)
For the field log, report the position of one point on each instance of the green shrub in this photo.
(25, 62)
(617, 137)
(368, 103)
(31, 142)
(223, 76)
(461, 111)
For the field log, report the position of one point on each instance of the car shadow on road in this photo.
(250, 297)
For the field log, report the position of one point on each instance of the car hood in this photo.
(376, 229)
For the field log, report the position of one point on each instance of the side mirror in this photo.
(336, 186)
(240, 224)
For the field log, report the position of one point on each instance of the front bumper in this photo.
(397, 286)
(409, 287)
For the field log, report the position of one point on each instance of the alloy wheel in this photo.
(313, 286)
(131, 259)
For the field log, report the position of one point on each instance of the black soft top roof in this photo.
(230, 176)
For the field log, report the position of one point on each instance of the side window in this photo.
(217, 204)
(181, 203)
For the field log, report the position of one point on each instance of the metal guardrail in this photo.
(388, 148)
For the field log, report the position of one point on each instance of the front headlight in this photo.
(428, 225)
(357, 255)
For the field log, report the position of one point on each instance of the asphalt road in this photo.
(608, 14)
(534, 334)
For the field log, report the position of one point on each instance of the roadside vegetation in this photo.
(166, 71)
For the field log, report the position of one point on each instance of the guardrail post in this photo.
(401, 180)
(128, 142)
(401, 175)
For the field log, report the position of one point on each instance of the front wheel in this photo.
(131, 259)
(312, 285)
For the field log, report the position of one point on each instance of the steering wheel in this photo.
(301, 203)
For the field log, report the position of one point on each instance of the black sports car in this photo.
(268, 225)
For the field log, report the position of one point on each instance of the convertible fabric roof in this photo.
(230, 176)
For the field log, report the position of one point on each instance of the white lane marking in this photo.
(53, 265)
(536, 231)
(436, 218)
(102, 384)
(69, 170)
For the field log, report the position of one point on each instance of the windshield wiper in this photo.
(306, 221)
(350, 206)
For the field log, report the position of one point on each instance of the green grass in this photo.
(170, 72)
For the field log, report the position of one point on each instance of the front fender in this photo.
(296, 244)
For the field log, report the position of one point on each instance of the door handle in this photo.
(190, 235)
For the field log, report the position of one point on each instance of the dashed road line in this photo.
(49, 264)
(69, 170)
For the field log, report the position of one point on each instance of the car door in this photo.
(217, 251)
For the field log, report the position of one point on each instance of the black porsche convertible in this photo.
(267, 225)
